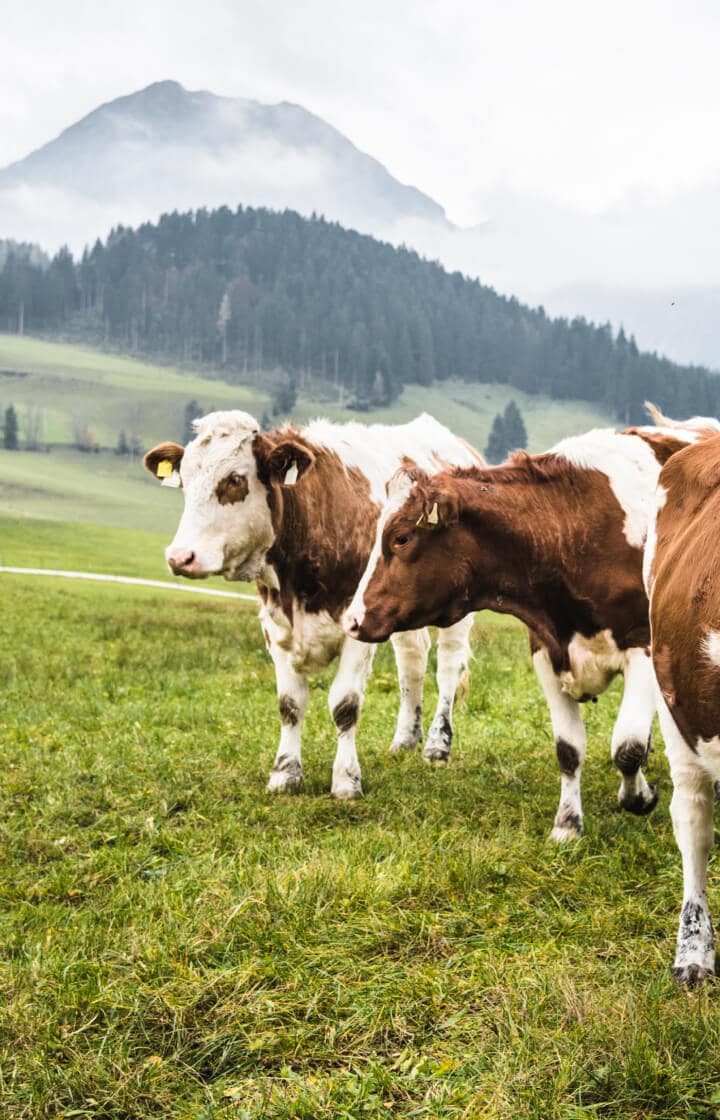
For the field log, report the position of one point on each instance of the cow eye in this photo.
(235, 478)
(401, 539)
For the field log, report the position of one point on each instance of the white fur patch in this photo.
(594, 662)
(711, 647)
(630, 466)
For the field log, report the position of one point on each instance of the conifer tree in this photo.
(496, 449)
(514, 425)
(10, 431)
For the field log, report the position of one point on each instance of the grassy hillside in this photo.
(72, 384)
(101, 489)
(176, 943)
(109, 393)
(469, 410)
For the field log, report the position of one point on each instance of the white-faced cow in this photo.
(556, 540)
(683, 576)
(295, 509)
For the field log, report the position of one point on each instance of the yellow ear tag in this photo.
(291, 475)
(433, 515)
(420, 521)
(164, 469)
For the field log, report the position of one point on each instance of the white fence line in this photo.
(164, 585)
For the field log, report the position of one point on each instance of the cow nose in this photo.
(351, 625)
(181, 560)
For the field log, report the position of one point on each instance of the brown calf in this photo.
(557, 541)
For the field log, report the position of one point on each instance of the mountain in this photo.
(165, 148)
(650, 265)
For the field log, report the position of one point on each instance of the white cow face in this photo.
(226, 527)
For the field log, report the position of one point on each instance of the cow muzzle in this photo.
(363, 629)
(184, 562)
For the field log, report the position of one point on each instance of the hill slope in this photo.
(165, 147)
(64, 383)
(254, 290)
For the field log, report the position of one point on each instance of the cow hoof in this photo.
(399, 745)
(640, 805)
(562, 834)
(285, 781)
(346, 787)
(438, 755)
(690, 975)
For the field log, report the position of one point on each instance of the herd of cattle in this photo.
(604, 547)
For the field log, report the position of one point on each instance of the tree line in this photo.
(254, 292)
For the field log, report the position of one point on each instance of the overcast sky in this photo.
(590, 104)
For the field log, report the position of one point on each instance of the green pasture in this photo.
(176, 943)
(103, 489)
(469, 409)
(75, 386)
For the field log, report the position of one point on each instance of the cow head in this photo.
(228, 474)
(409, 581)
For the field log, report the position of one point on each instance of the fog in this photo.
(573, 145)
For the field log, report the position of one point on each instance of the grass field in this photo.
(100, 489)
(110, 393)
(469, 410)
(107, 392)
(176, 943)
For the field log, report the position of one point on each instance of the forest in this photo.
(255, 291)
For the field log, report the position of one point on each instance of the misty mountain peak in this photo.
(165, 147)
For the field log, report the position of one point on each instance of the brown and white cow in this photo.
(556, 540)
(296, 509)
(683, 576)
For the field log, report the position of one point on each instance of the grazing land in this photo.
(75, 386)
(176, 943)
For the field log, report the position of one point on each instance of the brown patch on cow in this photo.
(289, 710)
(686, 589)
(173, 452)
(630, 756)
(276, 452)
(568, 818)
(324, 526)
(232, 489)
(345, 714)
(567, 756)
(663, 446)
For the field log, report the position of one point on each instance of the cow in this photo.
(557, 540)
(683, 579)
(295, 509)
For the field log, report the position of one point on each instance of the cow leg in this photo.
(411, 653)
(292, 692)
(453, 655)
(569, 731)
(691, 810)
(345, 699)
(631, 734)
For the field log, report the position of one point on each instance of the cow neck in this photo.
(530, 548)
(324, 529)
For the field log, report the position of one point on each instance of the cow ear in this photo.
(284, 462)
(164, 461)
(440, 510)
